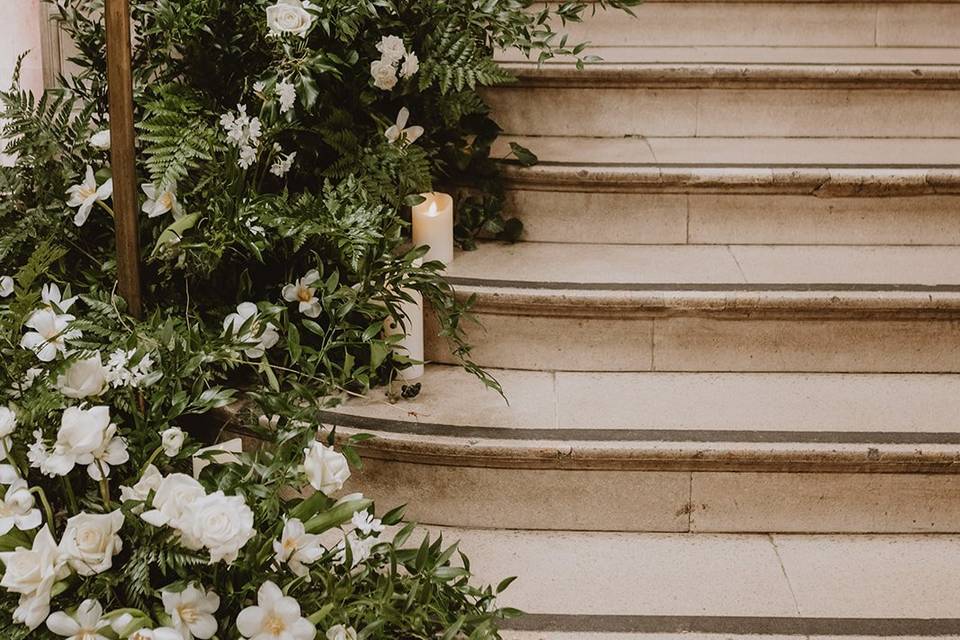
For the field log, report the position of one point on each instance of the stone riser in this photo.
(669, 501)
(588, 111)
(704, 343)
(744, 24)
(712, 218)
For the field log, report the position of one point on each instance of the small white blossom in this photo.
(28, 379)
(274, 617)
(340, 632)
(244, 133)
(258, 337)
(360, 549)
(259, 86)
(287, 94)
(281, 166)
(17, 508)
(172, 440)
(160, 633)
(411, 64)
(297, 548)
(303, 293)
(399, 132)
(191, 611)
(6, 286)
(86, 194)
(366, 523)
(384, 74)
(160, 201)
(85, 624)
(122, 373)
(49, 335)
(392, 49)
(101, 140)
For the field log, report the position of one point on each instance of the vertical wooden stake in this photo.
(120, 89)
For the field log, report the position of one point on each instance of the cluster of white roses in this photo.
(394, 58)
(243, 132)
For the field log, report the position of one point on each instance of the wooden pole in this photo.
(120, 90)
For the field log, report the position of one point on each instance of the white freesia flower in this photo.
(191, 611)
(32, 574)
(149, 481)
(340, 632)
(360, 548)
(85, 624)
(17, 509)
(287, 95)
(274, 617)
(391, 49)
(160, 201)
(411, 64)
(90, 541)
(259, 86)
(28, 379)
(244, 133)
(54, 300)
(297, 548)
(384, 74)
(86, 194)
(6, 286)
(257, 336)
(219, 523)
(172, 441)
(49, 335)
(366, 523)
(289, 16)
(399, 132)
(160, 633)
(84, 378)
(301, 292)
(101, 140)
(326, 469)
(37, 452)
(282, 165)
(175, 494)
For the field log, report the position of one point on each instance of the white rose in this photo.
(392, 49)
(289, 16)
(82, 433)
(32, 574)
(172, 440)
(100, 140)
(340, 632)
(326, 469)
(90, 541)
(221, 524)
(173, 498)
(384, 74)
(8, 421)
(411, 64)
(84, 378)
(149, 481)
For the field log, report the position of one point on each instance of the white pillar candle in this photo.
(411, 345)
(433, 226)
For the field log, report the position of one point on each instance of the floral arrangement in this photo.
(279, 144)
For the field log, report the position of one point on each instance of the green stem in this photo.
(46, 507)
(71, 497)
(104, 487)
(151, 460)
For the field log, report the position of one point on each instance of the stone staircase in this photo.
(730, 336)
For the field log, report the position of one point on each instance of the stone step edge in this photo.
(684, 75)
(605, 300)
(651, 449)
(819, 181)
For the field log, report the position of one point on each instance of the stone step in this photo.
(716, 91)
(786, 23)
(593, 307)
(667, 451)
(740, 190)
(633, 586)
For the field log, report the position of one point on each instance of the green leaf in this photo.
(524, 155)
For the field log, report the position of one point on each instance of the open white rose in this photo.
(17, 508)
(340, 632)
(82, 433)
(6, 286)
(174, 497)
(85, 624)
(219, 523)
(384, 74)
(297, 548)
(326, 469)
(258, 337)
(289, 16)
(32, 574)
(274, 617)
(149, 481)
(391, 48)
(172, 441)
(90, 541)
(191, 611)
(84, 378)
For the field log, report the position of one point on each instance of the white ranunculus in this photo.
(6, 286)
(400, 132)
(8, 421)
(275, 616)
(219, 523)
(326, 469)
(32, 574)
(174, 497)
(90, 541)
(86, 194)
(340, 632)
(191, 611)
(172, 441)
(297, 548)
(82, 433)
(84, 378)
(149, 481)
(101, 140)
(49, 335)
(258, 336)
(411, 64)
(384, 74)
(17, 508)
(160, 201)
(304, 294)
(391, 49)
(85, 624)
(289, 16)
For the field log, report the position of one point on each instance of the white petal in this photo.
(62, 624)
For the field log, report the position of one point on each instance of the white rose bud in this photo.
(326, 469)
(384, 75)
(84, 378)
(90, 541)
(222, 524)
(289, 16)
(172, 440)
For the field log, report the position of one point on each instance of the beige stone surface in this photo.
(918, 24)
(508, 634)
(702, 344)
(759, 401)
(529, 499)
(833, 502)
